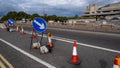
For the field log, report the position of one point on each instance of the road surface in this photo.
(95, 50)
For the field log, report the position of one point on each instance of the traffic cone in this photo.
(22, 31)
(17, 28)
(74, 58)
(49, 40)
(33, 35)
(116, 62)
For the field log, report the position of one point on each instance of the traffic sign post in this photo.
(38, 25)
(10, 24)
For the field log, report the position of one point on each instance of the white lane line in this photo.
(88, 32)
(82, 44)
(29, 55)
(92, 46)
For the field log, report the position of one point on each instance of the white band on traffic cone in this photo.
(74, 51)
(49, 39)
(116, 66)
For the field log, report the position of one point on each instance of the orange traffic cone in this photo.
(49, 40)
(22, 31)
(17, 28)
(33, 35)
(116, 62)
(74, 58)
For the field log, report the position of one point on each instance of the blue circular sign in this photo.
(10, 21)
(39, 24)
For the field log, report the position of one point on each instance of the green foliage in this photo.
(19, 15)
(33, 16)
(4, 18)
(15, 15)
(11, 14)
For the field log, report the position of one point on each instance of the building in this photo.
(110, 11)
(91, 9)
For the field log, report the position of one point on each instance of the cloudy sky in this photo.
(50, 7)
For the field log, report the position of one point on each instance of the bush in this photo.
(1, 21)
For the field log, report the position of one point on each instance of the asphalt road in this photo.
(90, 57)
(106, 40)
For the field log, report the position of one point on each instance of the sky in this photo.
(50, 7)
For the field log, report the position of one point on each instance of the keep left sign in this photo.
(11, 21)
(39, 24)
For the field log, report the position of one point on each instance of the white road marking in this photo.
(92, 46)
(29, 55)
(87, 32)
(82, 44)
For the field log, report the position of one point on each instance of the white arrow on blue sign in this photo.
(10, 21)
(39, 24)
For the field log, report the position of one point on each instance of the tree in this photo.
(52, 17)
(34, 15)
(12, 15)
(15, 15)
(21, 15)
(4, 18)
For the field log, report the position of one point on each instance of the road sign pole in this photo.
(31, 43)
(39, 25)
(41, 39)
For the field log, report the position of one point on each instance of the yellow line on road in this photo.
(6, 62)
(2, 65)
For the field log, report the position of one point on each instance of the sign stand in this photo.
(36, 39)
(31, 43)
(38, 25)
(10, 24)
